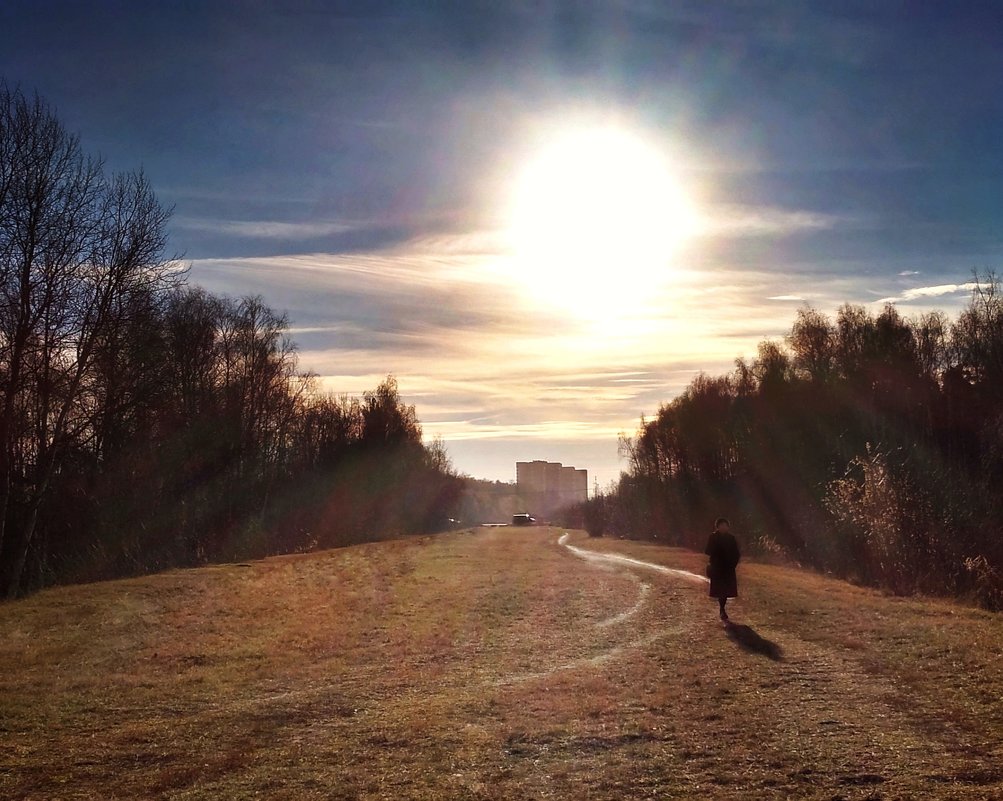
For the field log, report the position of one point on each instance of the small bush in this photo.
(986, 582)
(595, 516)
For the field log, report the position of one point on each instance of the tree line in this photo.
(868, 445)
(146, 423)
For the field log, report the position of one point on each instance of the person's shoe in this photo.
(724, 616)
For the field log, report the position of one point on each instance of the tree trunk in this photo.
(21, 559)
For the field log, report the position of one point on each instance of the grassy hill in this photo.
(495, 664)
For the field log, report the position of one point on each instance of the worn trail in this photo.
(617, 558)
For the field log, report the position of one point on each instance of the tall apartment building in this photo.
(549, 486)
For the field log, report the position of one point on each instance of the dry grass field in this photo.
(494, 664)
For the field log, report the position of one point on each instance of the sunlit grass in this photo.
(483, 666)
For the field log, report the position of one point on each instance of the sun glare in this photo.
(595, 220)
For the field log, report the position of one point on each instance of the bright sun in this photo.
(595, 219)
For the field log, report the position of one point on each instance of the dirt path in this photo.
(495, 664)
(841, 709)
(617, 558)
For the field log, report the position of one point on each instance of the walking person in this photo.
(722, 548)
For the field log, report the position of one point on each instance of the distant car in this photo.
(523, 520)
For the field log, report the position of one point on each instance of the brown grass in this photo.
(494, 665)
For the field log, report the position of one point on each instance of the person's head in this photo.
(721, 524)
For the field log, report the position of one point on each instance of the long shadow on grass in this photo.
(747, 638)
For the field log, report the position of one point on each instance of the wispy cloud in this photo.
(923, 292)
(271, 229)
(739, 220)
(487, 359)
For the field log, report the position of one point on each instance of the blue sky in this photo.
(350, 162)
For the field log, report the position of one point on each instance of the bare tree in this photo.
(49, 193)
(978, 335)
(145, 424)
(813, 342)
(75, 247)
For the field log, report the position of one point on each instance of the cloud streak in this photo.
(924, 292)
(488, 361)
(758, 221)
(271, 229)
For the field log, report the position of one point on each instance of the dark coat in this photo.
(722, 548)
